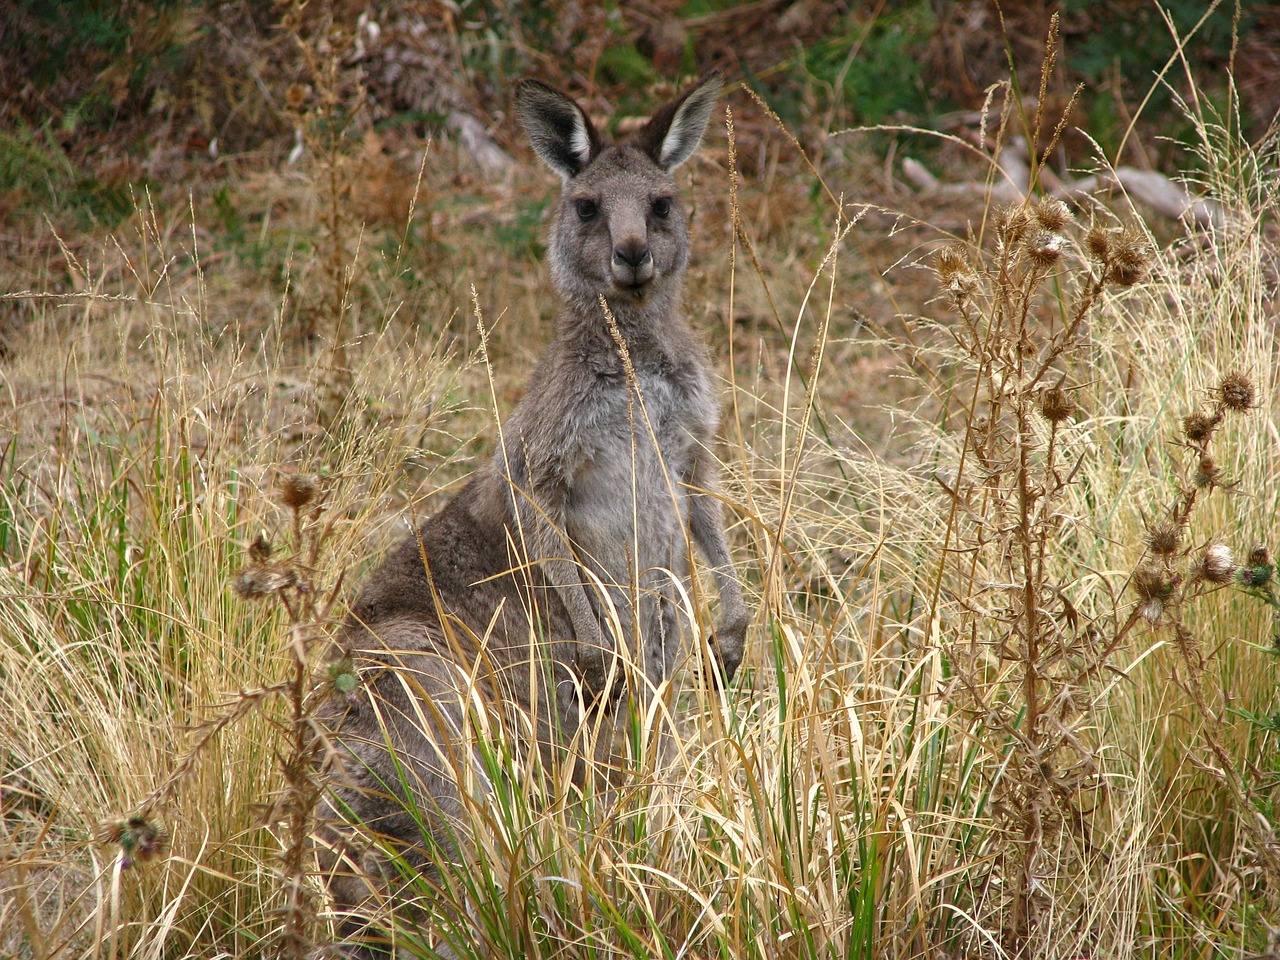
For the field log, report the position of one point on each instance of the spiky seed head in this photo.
(1098, 242)
(1013, 223)
(260, 549)
(1129, 259)
(1056, 405)
(296, 490)
(1053, 215)
(261, 580)
(1259, 555)
(1151, 581)
(950, 261)
(955, 272)
(140, 838)
(1208, 473)
(1236, 391)
(1045, 248)
(1218, 565)
(1199, 427)
(1163, 539)
(1154, 586)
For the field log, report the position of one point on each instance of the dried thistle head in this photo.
(1163, 538)
(1217, 565)
(955, 272)
(1129, 259)
(1013, 222)
(1198, 427)
(1045, 248)
(295, 96)
(1098, 242)
(260, 550)
(949, 261)
(1056, 405)
(1236, 392)
(140, 838)
(1154, 586)
(296, 490)
(1208, 473)
(1052, 215)
(261, 580)
(1259, 555)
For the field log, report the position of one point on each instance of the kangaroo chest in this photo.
(628, 505)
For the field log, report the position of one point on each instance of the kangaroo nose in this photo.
(634, 255)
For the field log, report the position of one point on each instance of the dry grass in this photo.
(872, 786)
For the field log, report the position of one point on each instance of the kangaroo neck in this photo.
(643, 326)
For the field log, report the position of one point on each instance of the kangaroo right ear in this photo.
(559, 131)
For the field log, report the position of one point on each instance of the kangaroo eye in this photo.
(587, 209)
(662, 207)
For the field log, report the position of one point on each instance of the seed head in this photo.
(955, 272)
(1163, 539)
(950, 261)
(1013, 223)
(1098, 242)
(1129, 259)
(1052, 215)
(140, 839)
(1056, 405)
(1045, 248)
(1154, 586)
(262, 580)
(1236, 391)
(1152, 582)
(260, 549)
(296, 490)
(1199, 427)
(1208, 473)
(1259, 555)
(1218, 565)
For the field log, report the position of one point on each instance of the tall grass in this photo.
(870, 787)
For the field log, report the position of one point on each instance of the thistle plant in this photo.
(1026, 683)
(287, 574)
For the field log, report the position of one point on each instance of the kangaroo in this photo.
(568, 552)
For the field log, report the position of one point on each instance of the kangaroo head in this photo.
(620, 230)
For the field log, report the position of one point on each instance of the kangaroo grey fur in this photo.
(575, 536)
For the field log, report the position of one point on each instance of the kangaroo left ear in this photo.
(673, 133)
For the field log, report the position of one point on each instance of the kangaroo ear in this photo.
(559, 131)
(674, 132)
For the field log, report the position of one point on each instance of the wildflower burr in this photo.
(1056, 405)
(1098, 242)
(1199, 427)
(261, 580)
(1163, 539)
(1154, 587)
(1237, 392)
(1052, 215)
(1218, 565)
(955, 272)
(1129, 259)
(140, 839)
(297, 490)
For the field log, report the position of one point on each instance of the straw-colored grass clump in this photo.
(1010, 699)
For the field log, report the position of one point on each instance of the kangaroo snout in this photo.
(632, 263)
